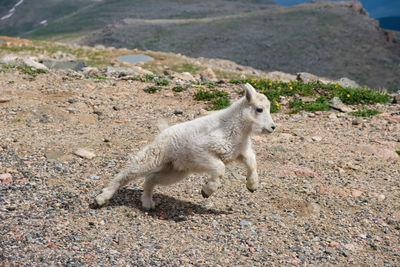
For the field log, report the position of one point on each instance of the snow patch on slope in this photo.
(12, 10)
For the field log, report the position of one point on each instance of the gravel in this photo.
(303, 214)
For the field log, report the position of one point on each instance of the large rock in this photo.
(64, 65)
(185, 76)
(208, 75)
(281, 76)
(346, 82)
(22, 61)
(336, 103)
(307, 77)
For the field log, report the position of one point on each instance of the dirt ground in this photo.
(330, 184)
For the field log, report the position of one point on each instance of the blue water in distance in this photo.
(134, 58)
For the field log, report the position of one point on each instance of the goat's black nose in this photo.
(273, 127)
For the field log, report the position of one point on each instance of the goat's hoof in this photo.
(95, 205)
(204, 194)
(251, 190)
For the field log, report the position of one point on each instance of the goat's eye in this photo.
(259, 110)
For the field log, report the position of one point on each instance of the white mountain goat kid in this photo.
(203, 145)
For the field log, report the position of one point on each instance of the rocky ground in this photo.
(330, 183)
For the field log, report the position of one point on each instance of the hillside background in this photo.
(331, 39)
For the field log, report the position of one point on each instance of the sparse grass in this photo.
(398, 152)
(149, 77)
(161, 81)
(366, 112)
(185, 67)
(178, 89)
(152, 89)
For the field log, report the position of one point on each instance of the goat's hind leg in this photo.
(122, 178)
(165, 176)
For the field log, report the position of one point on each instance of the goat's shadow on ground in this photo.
(167, 208)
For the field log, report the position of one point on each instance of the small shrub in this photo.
(152, 89)
(320, 103)
(99, 78)
(149, 77)
(220, 103)
(138, 78)
(162, 82)
(178, 89)
(398, 152)
(366, 112)
(30, 70)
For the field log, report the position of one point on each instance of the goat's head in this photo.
(258, 111)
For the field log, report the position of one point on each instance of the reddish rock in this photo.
(356, 193)
(5, 176)
(333, 244)
(379, 151)
(291, 169)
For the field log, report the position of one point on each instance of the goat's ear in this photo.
(250, 92)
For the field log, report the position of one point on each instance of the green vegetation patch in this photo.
(398, 152)
(161, 81)
(185, 67)
(274, 90)
(366, 112)
(178, 89)
(152, 89)
(219, 99)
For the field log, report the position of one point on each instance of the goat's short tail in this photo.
(143, 162)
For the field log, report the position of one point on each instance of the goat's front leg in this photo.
(216, 169)
(249, 159)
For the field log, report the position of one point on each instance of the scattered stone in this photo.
(118, 107)
(203, 112)
(332, 116)
(245, 223)
(90, 71)
(356, 121)
(53, 154)
(185, 76)
(336, 103)
(94, 177)
(356, 193)
(83, 153)
(381, 152)
(333, 244)
(316, 138)
(396, 99)
(4, 99)
(5, 176)
(208, 75)
(178, 112)
(72, 110)
(291, 169)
